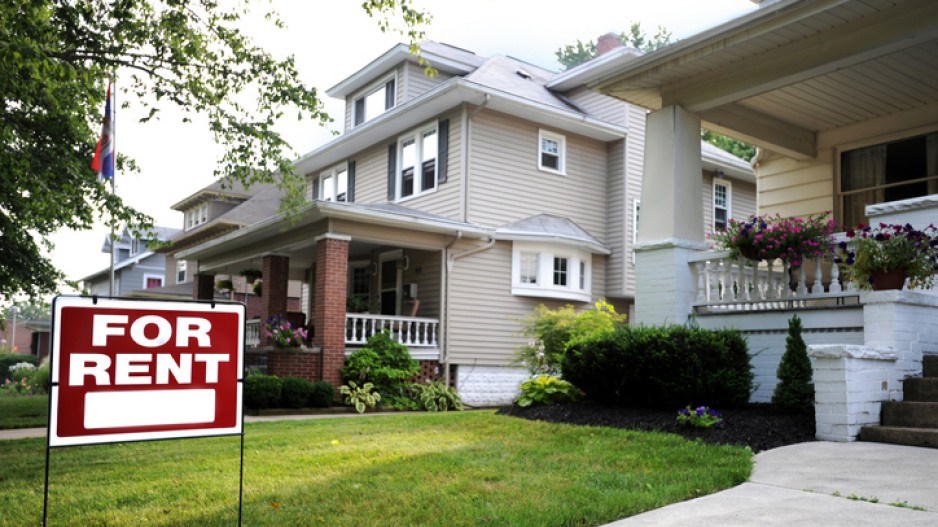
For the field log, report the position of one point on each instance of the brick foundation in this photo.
(303, 364)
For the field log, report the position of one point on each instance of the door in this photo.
(390, 281)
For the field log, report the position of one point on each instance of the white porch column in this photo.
(671, 217)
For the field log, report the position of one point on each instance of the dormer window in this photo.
(196, 216)
(374, 102)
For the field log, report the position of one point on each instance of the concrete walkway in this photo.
(812, 484)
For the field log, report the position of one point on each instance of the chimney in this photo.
(607, 43)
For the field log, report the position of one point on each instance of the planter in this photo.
(883, 280)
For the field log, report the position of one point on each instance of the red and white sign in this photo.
(125, 370)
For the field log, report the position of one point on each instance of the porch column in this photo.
(276, 272)
(330, 293)
(203, 286)
(671, 217)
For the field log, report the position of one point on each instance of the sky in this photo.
(330, 41)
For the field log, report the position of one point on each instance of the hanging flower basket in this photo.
(251, 275)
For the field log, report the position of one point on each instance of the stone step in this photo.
(930, 365)
(910, 414)
(927, 437)
(921, 389)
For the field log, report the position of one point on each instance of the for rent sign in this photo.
(138, 370)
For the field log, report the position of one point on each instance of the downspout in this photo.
(450, 259)
(467, 131)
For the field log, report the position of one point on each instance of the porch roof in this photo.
(781, 74)
(552, 229)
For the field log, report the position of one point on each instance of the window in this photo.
(134, 246)
(636, 210)
(721, 204)
(197, 215)
(332, 185)
(417, 173)
(181, 271)
(374, 102)
(551, 152)
(360, 282)
(893, 171)
(550, 271)
(150, 281)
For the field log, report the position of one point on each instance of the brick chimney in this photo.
(607, 43)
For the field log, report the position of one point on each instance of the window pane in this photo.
(374, 104)
(719, 195)
(361, 282)
(326, 188)
(407, 182)
(719, 219)
(389, 93)
(359, 111)
(528, 268)
(341, 185)
(582, 275)
(560, 271)
(408, 154)
(550, 161)
(154, 282)
(550, 146)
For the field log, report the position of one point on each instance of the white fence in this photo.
(252, 333)
(413, 332)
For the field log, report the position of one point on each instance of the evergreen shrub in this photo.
(295, 392)
(322, 395)
(795, 389)
(262, 391)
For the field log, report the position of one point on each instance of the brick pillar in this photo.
(203, 287)
(330, 292)
(276, 272)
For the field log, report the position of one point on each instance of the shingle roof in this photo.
(518, 78)
(548, 226)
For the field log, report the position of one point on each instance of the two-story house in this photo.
(452, 206)
(136, 265)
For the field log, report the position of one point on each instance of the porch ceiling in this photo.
(782, 74)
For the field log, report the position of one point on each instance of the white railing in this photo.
(252, 333)
(409, 331)
(744, 285)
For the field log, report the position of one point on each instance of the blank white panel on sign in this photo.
(149, 408)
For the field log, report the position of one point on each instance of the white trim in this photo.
(333, 236)
(333, 173)
(636, 210)
(147, 276)
(718, 181)
(544, 286)
(561, 141)
(417, 135)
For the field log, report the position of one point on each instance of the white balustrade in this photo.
(252, 333)
(409, 331)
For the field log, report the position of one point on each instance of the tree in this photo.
(54, 58)
(795, 389)
(28, 311)
(580, 52)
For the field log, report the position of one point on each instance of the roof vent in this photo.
(523, 74)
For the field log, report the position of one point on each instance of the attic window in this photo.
(374, 102)
(523, 74)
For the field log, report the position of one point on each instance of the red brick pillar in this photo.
(276, 272)
(329, 294)
(203, 287)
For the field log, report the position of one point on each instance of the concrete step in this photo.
(927, 437)
(910, 414)
(921, 389)
(930, 365)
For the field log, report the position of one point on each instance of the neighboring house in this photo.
(841, 99)
(452, 206)
(136, 265)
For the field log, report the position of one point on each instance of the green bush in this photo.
(552, 331)
(41, 377)
(662, 367)
(9, 359)
(294, 392)
(322, 395)
(546, 390)
(262, 391)
(437, 397)
(361, 397)
(795, 389)
(383, 362)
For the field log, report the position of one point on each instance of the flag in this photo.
(103, 161)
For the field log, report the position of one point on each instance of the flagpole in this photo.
(113, 96)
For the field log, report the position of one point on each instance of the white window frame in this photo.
(360, 264)
(523, 277)
(182, 269)
(578, 287)
(333, 177)
(561, 141)
(196, 216)
(148, 276)
(717, 181)
(381, 86)
(417, 135)
(636, 212)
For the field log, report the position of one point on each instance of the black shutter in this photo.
(315, 193)
(350, 192)
(442, 161)
(392, 170)
(390, 95)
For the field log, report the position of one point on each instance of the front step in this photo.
(909, 414)
(922, 389)
(927, 437)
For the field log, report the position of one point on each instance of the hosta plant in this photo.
(361, 397)
(545, 390)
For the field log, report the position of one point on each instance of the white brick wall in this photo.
(489, 385)
(665, 287)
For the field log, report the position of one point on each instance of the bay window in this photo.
(548, 270)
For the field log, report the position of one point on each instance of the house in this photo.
(136, 265)
(451, 207)
(840, 98)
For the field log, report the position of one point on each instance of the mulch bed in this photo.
(759, 426)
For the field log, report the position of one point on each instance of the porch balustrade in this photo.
(409, 331)
(724, 284)
(252, 333)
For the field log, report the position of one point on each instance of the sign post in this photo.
(130, 370)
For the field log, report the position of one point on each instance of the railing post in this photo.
(818, 286)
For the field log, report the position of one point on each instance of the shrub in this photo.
(383, 362)
(438, 397)
(294, 392)
(662, 366)
(361, 397)
(545, 390)
(795, 390)
(262, 391)
(552, 331)
(41, 377)
(9, 359)
(321, 395)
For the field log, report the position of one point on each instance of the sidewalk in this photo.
(818, 483)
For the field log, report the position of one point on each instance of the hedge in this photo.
(662, 366)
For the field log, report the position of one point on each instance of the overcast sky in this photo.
(331, 40)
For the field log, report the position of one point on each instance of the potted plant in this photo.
(251, 275)
(889, 256)
(283, 333)
(258, 288)
(773, 237)
(224, 286)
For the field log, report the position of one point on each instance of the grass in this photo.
(452, 469)
(23, 411)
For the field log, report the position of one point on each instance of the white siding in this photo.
(616, 217)
(416, 82)
(634, 163)
(600, 106)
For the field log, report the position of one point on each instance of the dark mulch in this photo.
(759, 426)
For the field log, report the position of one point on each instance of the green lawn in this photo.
(453, 469)
(23, 411)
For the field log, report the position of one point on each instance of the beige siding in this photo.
(371, 174)
(399, 95)
(634, 163)
(616, 218)
(794, 188)
(600, 106)
(742, 200)
(484, 317)
(416, 82)
(424, 271)
(505, 184)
